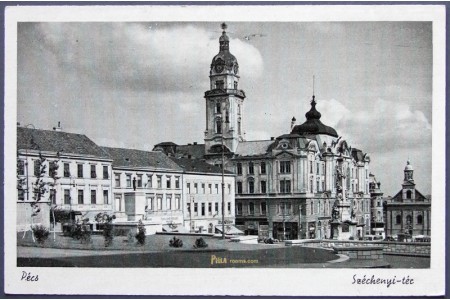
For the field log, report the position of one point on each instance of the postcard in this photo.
(256, 150)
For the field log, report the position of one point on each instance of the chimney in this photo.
(293, 121)
(195, 143)
(59, 128)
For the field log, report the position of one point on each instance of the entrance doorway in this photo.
(290, 231)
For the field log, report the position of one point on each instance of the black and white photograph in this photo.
(226, 150)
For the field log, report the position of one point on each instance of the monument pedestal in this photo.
(135, 211)
(135, 206)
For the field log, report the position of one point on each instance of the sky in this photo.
(138, 84)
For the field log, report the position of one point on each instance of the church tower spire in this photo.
(224, 101)
(408, 186)
(409, 172)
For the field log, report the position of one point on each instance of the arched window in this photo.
(408, 194)
(398, 219)
(218, 107)
(419, 219)
(379, 216)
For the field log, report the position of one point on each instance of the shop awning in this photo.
(229, 229)
(174, 228)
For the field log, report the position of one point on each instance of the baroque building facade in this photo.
(287, 186)
(408, 213)
(377, 208)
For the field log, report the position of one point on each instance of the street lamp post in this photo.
(299, 221)
(223, 186)
(223, 177)
(190, 214)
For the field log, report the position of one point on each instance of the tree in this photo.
(108, 228)
(53, 172)
(39, 189)
(20, 178)
(39, 186)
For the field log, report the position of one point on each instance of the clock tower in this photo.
(224, 102)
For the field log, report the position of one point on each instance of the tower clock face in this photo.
(219, 68)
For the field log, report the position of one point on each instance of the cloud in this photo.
(382, 127)
(135, 56)
(390, 132)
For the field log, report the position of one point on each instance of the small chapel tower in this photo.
(224, 101)
(408, 186)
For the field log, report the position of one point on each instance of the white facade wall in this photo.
(72, 190)
(163, 193)
(202, 194)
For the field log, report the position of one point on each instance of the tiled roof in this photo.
(195, 151)
(57, 141)
(253, 148)
(140, 159)
(198, 166)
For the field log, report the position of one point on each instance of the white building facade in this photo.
(80, 181)
(157, 178)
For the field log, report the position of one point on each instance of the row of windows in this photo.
(262, 166)
(409, 220)
(227, 120)
(81, 197)
(250, 208)
(66, 170)
(138, 181)
(153, 204)
(219, 84)
(202, 211)
(284, 187)
(284, 168)
(203, 188)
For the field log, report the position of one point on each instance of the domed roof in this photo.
(313, 125)
(409, 167)
(224, 58)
